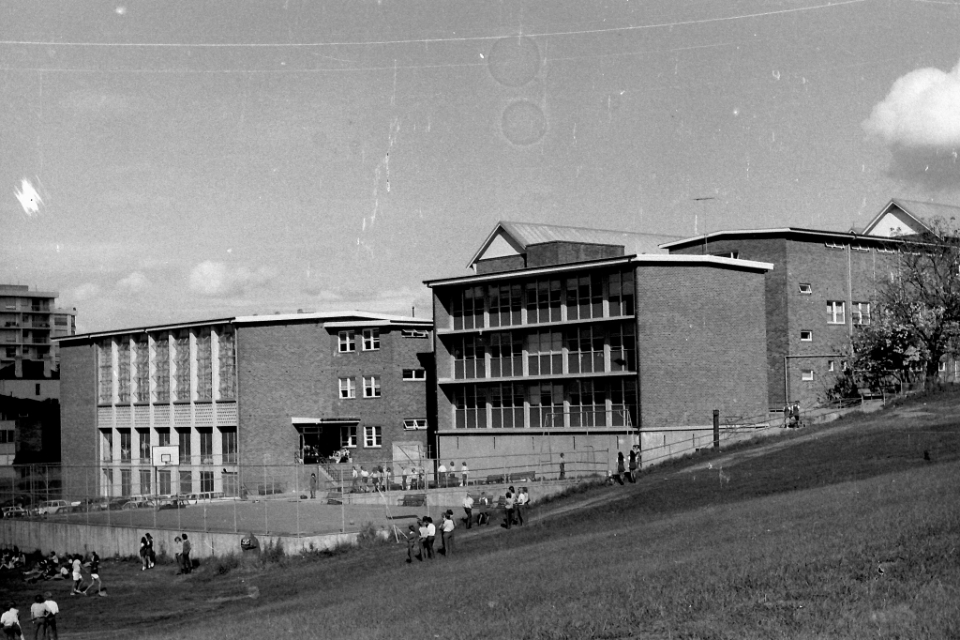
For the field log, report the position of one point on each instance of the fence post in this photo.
(716, 428)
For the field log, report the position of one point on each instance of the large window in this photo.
(126, 482)
(228, 444)
(466, 307)
(469, 408)
(186, 482)
(143, 439)
(227, 361)
(372, 436)
(371, 339)
(860, 313)
(545, 353)
(469, 357)
(183, 440)
(204, 366)
(506, 302)
(585, 297)
(835, 312)
(371, 386)
(105, 372)
(347, 341)
(206, 445)
(141, 371)
(621, 294)
(544, 301)
(182, 367)
(585, 349)
(588, 405)
(163, 436)
(348, 437)
(164, 482)
(206, 481)
(412, 375)
(125, 451)
(123, 371)
(506, 354)
(145, 482)
(106, 445)
(506, 405)
(348, 388)
(161, 369)
(623, 348)
(546, 405)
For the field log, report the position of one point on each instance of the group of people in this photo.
(67, 567)
(43, 615)
(182, 548)
(448, 477)
(421, 537)
(626, 468)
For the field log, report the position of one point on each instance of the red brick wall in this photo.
(701, 344)
(292, 370)
(78, 415)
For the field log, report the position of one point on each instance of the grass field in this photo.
(847, 530)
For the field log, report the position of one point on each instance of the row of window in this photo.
(371, 384)
(373, 435)
(369, 340)
(572, 350)
(124, 439)
(160, 368)
(581, 297)
(833, 366)
(185, 484)
(859, 312)
(574, 403)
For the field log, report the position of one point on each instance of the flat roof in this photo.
(809, 234)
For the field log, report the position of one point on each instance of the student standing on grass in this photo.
(468, 510)
(621, 467)
(521, 503)
(52, 612)
(95, 575)
(187, 563)
(632, 466)
(446, 533)
(508, 507)
(463, 473)
(178, 553)
(38, 614)
(563, 467)
(10, 620)
(431, 537)
(412, 537)
(442, 476)
(313, 486)
(146, 549)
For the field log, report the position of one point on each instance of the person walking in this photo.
(313, 486)
(77, 576)
(38, 615)
(446, 533)
(146, 551)
(52, 612)
(468, 510)
(95, 575)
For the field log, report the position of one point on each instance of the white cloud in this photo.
(921, 110)
(216, 279)
(85, 291)
(136, 282)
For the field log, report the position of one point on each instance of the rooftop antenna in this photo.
(703, 203)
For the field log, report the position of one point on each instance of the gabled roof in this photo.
(906, 218)
(513, 238)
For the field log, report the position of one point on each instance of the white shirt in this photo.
(51, 606)
(431, 530)
(521, 498)
(442, 469)
(10, 617)
(448, 525)
(468, 503)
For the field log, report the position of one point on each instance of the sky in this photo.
(168, 161)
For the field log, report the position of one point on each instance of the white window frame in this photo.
(414, 424)
(831, 365)
(347, 341)
(806, 375)
(414, 375)
(372, 437)
(942, 366)
(371, 339)
(806, 288)
(857, 314)
(348, 388)
(371, 387)
(808, 333)
(348, 436)
(836, 312)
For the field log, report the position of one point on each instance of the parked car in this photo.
(15, 511)
(109, 504)
(136, 503)
(51, 507)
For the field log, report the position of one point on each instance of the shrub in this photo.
(272, 553)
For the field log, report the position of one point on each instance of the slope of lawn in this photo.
(847, 530)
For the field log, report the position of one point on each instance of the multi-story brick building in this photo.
(234, 394)
(822, 286)
(570, 339)
(28, 322)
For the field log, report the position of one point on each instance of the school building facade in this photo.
(233, 396)
(588, 341)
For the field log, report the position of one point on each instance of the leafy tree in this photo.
(917, 317)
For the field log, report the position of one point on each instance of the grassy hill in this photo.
(846, 530)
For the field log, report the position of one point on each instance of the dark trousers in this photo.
(447, 539)
(40, 629)
(51, 622)
(428, 547)
(518, 509)
(509, 517)
(469, 514)
(186, 565)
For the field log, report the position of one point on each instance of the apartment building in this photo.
(227, 398)
(28, 322)
(572, 339)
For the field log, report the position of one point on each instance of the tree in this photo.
(917, 313)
